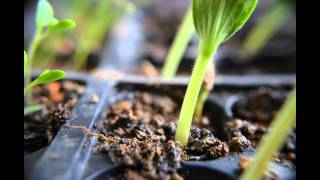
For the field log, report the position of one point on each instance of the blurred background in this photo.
(265, 45)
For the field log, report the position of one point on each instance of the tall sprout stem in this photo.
(179, 45)
(207, 86)
(279, 130)
(31, 54)
(265, 28)
(94, 32)
(190, 98)
(203, 96)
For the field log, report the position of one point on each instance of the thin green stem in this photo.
(94, 32)
(279, 130)
(28, 88)
(190, 98)
(265, 28)
(179, 45)
(31, 54)
(31, 109)
(203, 96)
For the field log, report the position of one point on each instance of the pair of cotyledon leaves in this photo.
(45, 18)
(216, 21)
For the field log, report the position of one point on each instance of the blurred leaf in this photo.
(25, 62)
(31, 109)
(46, 77)
(49, 76)
(44, 16)
(54, 21)
(217, 20)
(64, 24)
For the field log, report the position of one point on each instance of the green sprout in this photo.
(46, 76)
(206, 87)
(263, 31)
(174, 58)
(215, 22)
(101, 19)
(179, 45)
(46, 24)
(271, 143)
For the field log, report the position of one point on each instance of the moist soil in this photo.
(252, 117)
(139, 131)
(57, 99)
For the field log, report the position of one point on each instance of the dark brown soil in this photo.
(259, 105)
(139, 133)
(252, 119)
(57, 100)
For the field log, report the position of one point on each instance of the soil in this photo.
(259, 105)
(252, 117)
(57, 100)
(139, 133)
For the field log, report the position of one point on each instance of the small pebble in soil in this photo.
(94, 99)
(243, 134)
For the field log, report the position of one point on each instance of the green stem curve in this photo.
(190, 99)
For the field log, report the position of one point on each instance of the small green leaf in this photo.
(25, 62)
(50, 76)
(44, 16)
(44, 72)
(46, 77)
(217, 20)
(54, 21)
(62, 25)
(31, 109)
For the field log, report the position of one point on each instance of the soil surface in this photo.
(259, 105)
(139, 133)
(57, 100)
(252, 117)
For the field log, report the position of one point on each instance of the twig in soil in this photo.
(91, 134)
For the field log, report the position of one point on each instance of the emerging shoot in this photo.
(206, 87)
(179, 45)
(266, 27)
(271, 143)
(46, 76)
(215, 22)
(46, 24)
(96, 23)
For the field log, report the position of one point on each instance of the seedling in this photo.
(263, 31)
(271, 143)
(174, 58)
(101, 19)
(206, 87)
(215, 22)
(46, 76)
(46, 24)
(179, 45)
